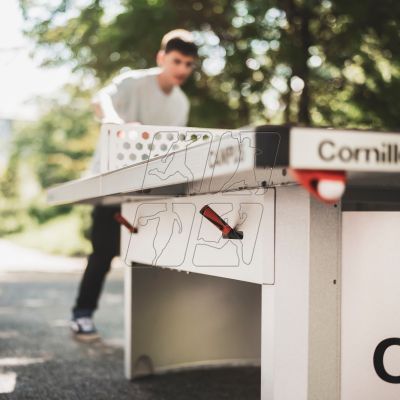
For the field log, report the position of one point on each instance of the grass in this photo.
(61, 235)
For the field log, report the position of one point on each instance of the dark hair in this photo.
(180, 40)
(189, 49)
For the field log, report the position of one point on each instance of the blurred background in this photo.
(308, 62)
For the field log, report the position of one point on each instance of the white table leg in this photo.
(301, 310)
(128, 320)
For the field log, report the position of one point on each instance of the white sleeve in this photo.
(123, 93)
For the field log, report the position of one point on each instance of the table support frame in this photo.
(177, 320)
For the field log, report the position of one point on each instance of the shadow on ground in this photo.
(40, 360)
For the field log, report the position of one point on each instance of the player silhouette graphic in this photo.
(173, 165)
(165, 223)
(243, 145)
(230, 253)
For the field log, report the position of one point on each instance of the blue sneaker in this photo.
(83, 328)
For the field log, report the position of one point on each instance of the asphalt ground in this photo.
(40, 360)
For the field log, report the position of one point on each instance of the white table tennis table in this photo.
(265, 285)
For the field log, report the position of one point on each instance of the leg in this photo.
(300, 311)
(105, 241)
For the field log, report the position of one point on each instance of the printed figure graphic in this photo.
(163, 234)
(236, 152)
(165, 224)
(173, 165)
(213, 250)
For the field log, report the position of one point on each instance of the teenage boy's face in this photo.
(176, 66)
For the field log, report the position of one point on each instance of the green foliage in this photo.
(60, 144)
(8, 187)
(312, 62)
(63, 234)
(56, 148)
(346, 52)
(13, 217)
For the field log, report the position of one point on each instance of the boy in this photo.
(152, 97)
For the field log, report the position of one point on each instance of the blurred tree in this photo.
(60, 144)
(56, 148)
(323, 62)
(10, 214)
(7, 180)
(311, 62)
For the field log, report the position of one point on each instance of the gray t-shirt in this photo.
(137, 97)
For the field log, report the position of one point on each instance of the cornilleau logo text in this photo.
(386, 153)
